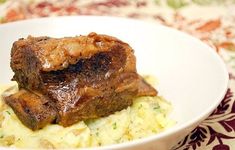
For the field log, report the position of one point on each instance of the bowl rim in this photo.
(170, 131)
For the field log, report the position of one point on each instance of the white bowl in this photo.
(191, 75)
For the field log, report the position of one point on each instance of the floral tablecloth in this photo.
(212, 21)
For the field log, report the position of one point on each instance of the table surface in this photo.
(212, 21)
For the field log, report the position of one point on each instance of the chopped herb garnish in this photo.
(1, 136)
(156, 107)
(140, 106)
(97, 133)
(8, 112)
(114, 125)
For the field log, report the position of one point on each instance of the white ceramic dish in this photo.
(191, 75)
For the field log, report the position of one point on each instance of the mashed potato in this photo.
(147, 116)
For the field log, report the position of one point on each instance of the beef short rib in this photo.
(77, 78)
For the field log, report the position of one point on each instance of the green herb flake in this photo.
(114, 125)
(156, 107)
(140, 106)
(97, 133)
(8, 112)
(1, 136)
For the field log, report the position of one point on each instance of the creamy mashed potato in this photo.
(147, 116)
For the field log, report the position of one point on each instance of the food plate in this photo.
(190, 74)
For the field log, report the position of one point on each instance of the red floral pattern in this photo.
(205, 133)
(217, 132)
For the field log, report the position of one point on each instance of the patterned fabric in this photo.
(212, 21)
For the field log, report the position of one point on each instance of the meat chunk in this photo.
(31, 57)
(83, 77)
(145, 89)
(34, 110)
